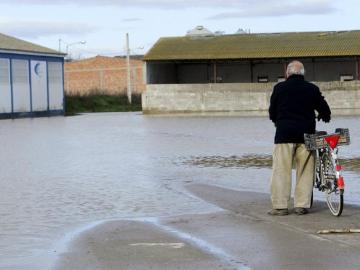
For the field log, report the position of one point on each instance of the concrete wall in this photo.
(244, 98)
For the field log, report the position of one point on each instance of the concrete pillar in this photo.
(134, 79)
(285, 67)
(209, 72)
(313, 69)
(252, 71)
(215, 72)
(176, 70)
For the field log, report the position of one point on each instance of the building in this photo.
(245, 66)
(31, 79)
(100, 74)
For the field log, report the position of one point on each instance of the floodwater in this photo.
(59, 174)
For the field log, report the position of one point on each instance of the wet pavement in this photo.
(59, 174)
(240, 236)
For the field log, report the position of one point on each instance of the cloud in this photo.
(276, 8)
(131, 3)
(132, 20)
(231, 8)
(37, 29)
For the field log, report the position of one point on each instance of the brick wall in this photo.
(104, 74)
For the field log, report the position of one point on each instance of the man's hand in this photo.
(326, 118)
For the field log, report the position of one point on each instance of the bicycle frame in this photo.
(321, 183)
(328, 177)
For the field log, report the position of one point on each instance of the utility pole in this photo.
(71, 44)
(60, 44)
(128, 68)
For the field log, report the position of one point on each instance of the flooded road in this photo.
(58, 174)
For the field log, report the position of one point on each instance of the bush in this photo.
(101, 103)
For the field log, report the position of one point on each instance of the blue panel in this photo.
(32, 57)
(11, 87)
(31, 103)
(63, 83)
(47, 86)
(31, 114)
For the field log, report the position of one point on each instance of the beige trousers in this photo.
(284, 156)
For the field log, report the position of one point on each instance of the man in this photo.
(292, 109)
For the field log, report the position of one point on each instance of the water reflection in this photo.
(351, 164)
(246, 161)
(254, 161)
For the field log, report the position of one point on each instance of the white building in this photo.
(31, 79)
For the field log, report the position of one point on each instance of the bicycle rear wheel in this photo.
(335, 201)
(334, 195)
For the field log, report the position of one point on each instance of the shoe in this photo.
(278, 212)
(301, 211)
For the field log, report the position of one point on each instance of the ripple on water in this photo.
(253, 161)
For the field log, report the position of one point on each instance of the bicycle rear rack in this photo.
(316, 141)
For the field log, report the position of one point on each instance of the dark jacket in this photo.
(292, 109)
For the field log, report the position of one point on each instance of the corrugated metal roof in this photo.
(254, 46)
(8, 43)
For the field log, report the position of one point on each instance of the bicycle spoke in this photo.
(334, 197)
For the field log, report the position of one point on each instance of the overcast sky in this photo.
(103, 24)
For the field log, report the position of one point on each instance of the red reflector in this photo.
(340, 182)
(338, 167)
(332, 140)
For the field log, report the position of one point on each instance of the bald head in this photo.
(295, 68)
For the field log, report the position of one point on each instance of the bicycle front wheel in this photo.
(334, 195)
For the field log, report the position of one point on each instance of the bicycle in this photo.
(328, 176)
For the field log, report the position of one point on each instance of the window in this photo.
(346, 78)
(56, 94)
(281, 78)
(5, 92)
(263, 79)
(21, 85)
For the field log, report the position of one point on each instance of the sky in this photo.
(103, 24)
